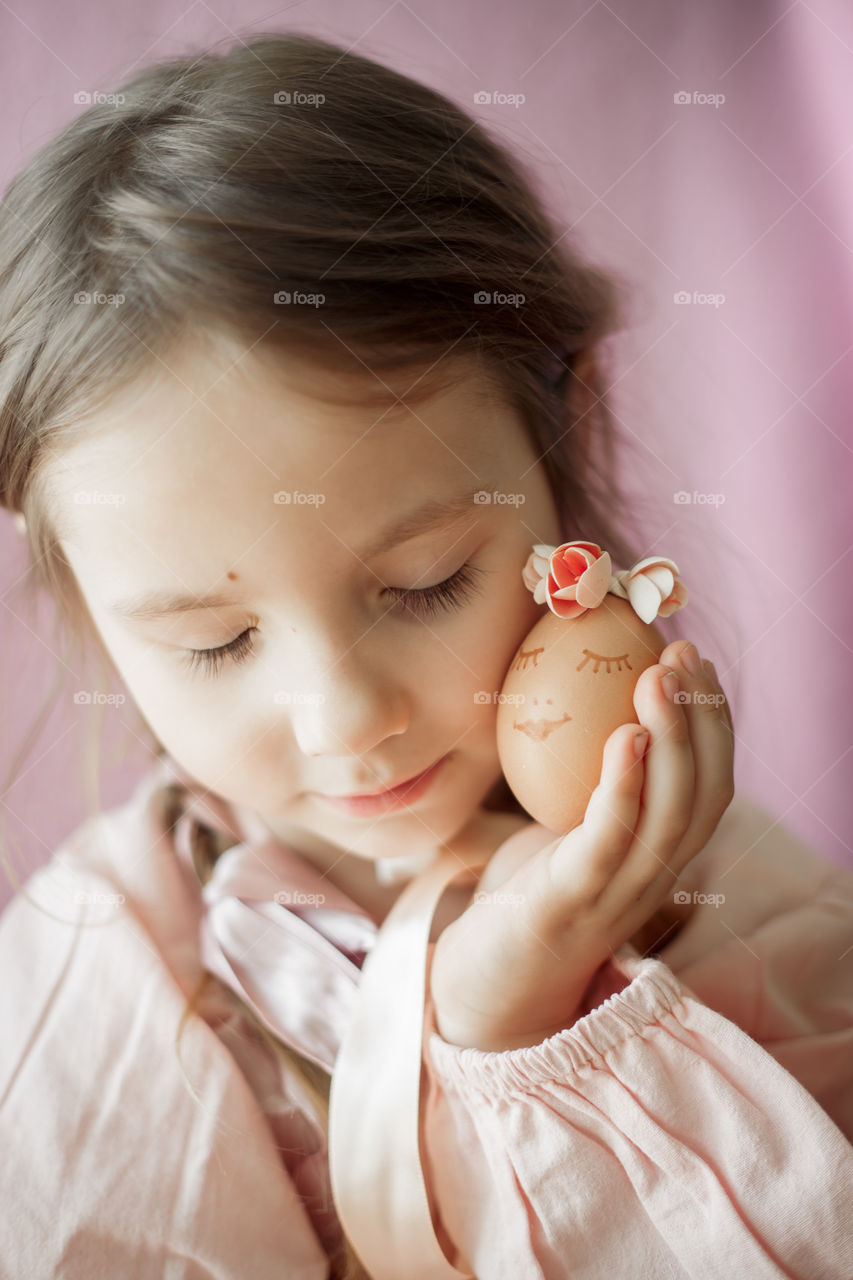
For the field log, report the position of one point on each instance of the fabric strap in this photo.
(374, 1102)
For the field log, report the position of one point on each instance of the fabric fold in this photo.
(259, 936)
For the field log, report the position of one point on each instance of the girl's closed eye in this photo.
(452, 593)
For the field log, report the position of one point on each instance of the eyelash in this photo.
(452, 593)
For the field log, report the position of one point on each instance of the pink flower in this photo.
(653, 588)
(571, 578)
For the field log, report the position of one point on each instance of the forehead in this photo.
(203, 448)
(269, 399)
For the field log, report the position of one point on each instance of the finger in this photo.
(712, 747)
(725, 707)
(668, 791)
(672, 657)
(586, 859)
(712, 740)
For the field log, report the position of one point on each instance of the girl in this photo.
(272, 327)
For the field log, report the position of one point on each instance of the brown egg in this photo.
(569, 685)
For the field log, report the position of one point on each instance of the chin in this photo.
(405, 832)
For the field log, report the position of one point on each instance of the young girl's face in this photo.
(340, 682)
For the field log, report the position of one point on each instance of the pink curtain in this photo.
(703, 153)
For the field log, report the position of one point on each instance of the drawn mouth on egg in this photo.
(539, 729)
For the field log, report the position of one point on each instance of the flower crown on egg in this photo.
(576, 576)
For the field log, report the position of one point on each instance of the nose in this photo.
(348, 708)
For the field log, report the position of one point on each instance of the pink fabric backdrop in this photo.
(738, 399)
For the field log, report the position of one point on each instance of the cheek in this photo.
(463, 670)
(511, 618)
(226, 752)
(186, 712)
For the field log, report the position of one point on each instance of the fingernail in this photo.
(690, 659)
(640, 740)
(670, 685)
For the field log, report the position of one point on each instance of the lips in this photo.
(539, 729)
(397, 786)
(406, 792)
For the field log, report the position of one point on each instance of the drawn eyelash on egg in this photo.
(598, 658)
(523, 657)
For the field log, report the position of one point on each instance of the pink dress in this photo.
(695, 1121)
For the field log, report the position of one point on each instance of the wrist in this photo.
(467, 1032)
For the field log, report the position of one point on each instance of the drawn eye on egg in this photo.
(529, 657)
(538, 728)
(598, 658)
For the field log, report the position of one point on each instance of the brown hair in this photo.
(213, 182)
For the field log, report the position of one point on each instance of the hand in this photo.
(512, 968)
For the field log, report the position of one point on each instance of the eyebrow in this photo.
(149, 606)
